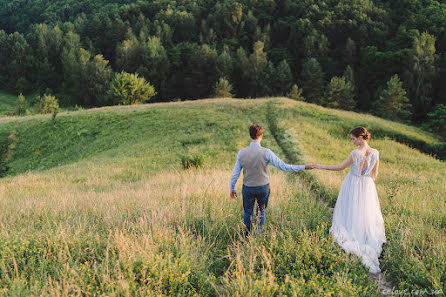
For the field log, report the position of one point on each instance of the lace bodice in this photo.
(363, 164)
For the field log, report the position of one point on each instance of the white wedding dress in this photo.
(358, 225)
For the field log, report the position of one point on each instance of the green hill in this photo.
(7, 103)
(98, 203)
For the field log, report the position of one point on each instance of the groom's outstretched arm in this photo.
(276, 162)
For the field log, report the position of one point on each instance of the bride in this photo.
(358, 225)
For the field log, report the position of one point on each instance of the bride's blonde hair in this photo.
(361, 132)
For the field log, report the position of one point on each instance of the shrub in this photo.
(195, 160)
(223, 88)
(127, 88)
(296, 93)
(7, 150)
(21, 105)
(48, 104)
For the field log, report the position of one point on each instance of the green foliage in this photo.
(7, 150)
(312, 81)
(421, 73)
(296, 93)
(202, 73)
(282, 78)
(224, 63)
(196, 160)
(437, 119)
(21, 105)
(127, 88)
(393, 103)
(350, 76)
(340, 94)
(223, 88)
(8, 103)
(48, 104)
(89, 77)
(53, 116)
(257, 63)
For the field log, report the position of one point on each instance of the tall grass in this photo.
(8, 103)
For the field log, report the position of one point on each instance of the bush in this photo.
(195, 160)
(7, 149)
(296, 93)
(48, 104)
(127, 88)
(223, 88)
(21, 105)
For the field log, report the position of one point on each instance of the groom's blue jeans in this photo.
(250, 195)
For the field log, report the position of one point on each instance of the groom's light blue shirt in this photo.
(270, 158)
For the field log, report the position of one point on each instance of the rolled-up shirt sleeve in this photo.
(236, 172)
(276, 162)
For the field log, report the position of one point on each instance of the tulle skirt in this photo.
(358, 225)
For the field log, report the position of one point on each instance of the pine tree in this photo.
(258, 63)
(296, 93)
(312, 81)
(349, 76)
(282, 78)
(422, 73)
(241, 73)
(224, 63)
(393, 103)
(223, 88)
(340, 94)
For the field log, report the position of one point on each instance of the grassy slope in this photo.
(114, 213)
(7, 103)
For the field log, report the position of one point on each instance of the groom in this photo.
(254, 160)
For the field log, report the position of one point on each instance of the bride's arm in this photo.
(344, 165)
(375, 170)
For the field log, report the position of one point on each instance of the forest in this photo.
(382, 57)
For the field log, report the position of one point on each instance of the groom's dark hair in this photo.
(255, 131)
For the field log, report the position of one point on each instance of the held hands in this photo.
(233, 194)
(313, 166)
(309, 166)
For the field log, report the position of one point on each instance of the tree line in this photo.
(379, 56)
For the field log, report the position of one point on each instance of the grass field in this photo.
(7, 103)
(97, 203)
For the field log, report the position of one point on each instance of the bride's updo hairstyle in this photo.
(360, 132)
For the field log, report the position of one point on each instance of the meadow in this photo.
(7, 103)
(98, 203)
